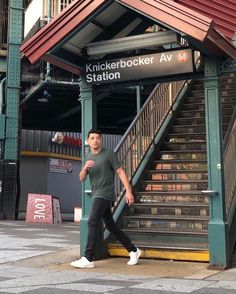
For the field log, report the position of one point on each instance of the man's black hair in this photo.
(94, 131)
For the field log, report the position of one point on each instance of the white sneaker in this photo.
(83, 262)
(134, 256)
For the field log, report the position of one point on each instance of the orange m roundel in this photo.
(182, 56)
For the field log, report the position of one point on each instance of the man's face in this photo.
(94, 141)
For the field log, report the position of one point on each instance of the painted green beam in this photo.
(15, 32)
(88, 117)
(217, 228)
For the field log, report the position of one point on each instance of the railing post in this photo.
(217, 228)
(170, 94)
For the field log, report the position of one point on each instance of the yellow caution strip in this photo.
(173, 254)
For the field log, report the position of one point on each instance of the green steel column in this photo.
(217, 229)
(11, 146)
(88, 121)
(15, 25)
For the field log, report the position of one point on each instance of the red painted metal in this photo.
(181, 16)
(62, 25)
(221, 11)
(173, 15)
(61, 63)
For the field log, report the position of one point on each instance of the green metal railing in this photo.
(229, 163)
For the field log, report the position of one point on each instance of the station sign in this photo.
(140, 67)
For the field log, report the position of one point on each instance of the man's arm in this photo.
(124, 179)
(84, 171)
(83, 174)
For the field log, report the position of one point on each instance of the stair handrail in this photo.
(229, 147)
(140, 135)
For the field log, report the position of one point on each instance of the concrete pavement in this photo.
(35, 258)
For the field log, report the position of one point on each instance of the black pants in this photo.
(101, 209)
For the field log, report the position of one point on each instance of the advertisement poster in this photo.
(61, 166)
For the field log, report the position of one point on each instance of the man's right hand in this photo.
(88, 164)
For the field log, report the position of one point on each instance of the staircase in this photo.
(170, 217)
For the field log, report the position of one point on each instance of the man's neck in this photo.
(96, 151)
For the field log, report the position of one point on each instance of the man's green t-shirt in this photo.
(102, 174)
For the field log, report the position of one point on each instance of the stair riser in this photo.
(196, 121)
(202, 198)
(201, 114)
(192, 129)
(197, 225)
(188, 129)
(191, 114)
(177, 147)
(227, 91)
(178, 176)
(186, 137)
(195, 106)
(175, 187)
(184, 166)
(224, 98)
(170, 211)
(197, 93)
(184, 155)
(190, 121)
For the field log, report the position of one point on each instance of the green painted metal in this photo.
(88, 121)
(218, 246)
(228, 66)
(15, 26)
(2, 126)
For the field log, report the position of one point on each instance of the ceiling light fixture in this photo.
(147, 40)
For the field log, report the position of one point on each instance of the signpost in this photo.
(140, 67)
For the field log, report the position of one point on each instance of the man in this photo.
(100, 165)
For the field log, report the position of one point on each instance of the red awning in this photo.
(186, 21)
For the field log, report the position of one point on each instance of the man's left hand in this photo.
(129, 198)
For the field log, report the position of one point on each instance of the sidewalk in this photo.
(35, 258)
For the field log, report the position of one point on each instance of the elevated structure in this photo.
(67, 41)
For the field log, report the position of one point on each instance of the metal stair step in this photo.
(188, 137)
(172, 185)
(174, 181)
(189, 120)
(167, 217)
(179, 164)
(182, 154)
(178, 175)
(188, 128)
(187, 197)
(167, 232)
(191, 114)
(176, 171)
(161, 244)
(184, 146)
(170, 208)
(172, 222)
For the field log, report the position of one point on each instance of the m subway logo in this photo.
(182, 57)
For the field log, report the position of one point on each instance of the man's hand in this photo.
(88, 164)
(129, 198)
(84, 170)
